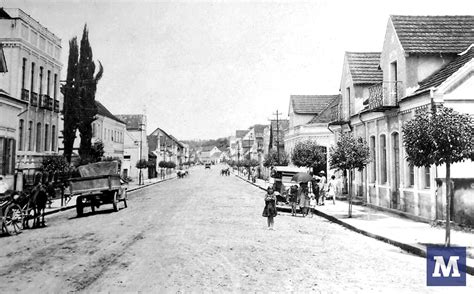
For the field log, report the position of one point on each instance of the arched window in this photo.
(30, 136)
(38, 137)
(383, 159)
(46, 139)
(21, 131)
(53, 138)
(373, 169)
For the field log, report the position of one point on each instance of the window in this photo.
(393, 82)
(348, 99)
(94, 130)
(23, 73)
(383, 159)
(20, 133)
(55, 89)
(48, 80)
(41, 81)
(46, 127)
(427, 177)
(411, 175)
(7, 156)
(373, 170)
(30, 136)
(32, 84)
(53, 138)
(38, 137)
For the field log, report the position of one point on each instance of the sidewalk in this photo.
(391, 228)
(131, 187)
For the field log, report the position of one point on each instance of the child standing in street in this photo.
(269, 211)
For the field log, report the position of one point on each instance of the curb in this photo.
(249, 182)
(53, 211)
(419, 251)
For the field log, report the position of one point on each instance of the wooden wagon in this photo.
(99, 184)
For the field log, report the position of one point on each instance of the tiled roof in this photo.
(364, 67)
(310, 104)
(101, 110)
(445, 72)
(326, 115)
(434, 34)
(241, 133)
(133, 121)
(207, 148)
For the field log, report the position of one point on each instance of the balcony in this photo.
(384, 96)
(56, 105)
(34, 99)
(336, 117)
(49, 102)
(25, 95)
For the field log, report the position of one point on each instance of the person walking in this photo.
(332, 189)
(322, 186)
(293, 199)
(304, 198)
(269, 211)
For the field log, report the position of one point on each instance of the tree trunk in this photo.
(447, 241)
(349, 196)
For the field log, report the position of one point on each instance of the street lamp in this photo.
(140, 173)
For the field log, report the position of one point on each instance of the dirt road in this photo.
(204, 233)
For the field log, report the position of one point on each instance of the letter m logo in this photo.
(446, 266)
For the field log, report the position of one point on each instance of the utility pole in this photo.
(277, 134)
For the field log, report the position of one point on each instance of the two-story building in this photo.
(32, 53)
(425, 61)
(10, 109)
(134, 143)
(308, 120)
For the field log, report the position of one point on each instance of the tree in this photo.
(71, 102)
(55, 164)
(271, 159)
(309, 154)
(348, 154)
(86, 89)
(441, 136)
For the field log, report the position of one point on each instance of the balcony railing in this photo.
(49, 102)
(34, 99)
(384, 96)
(56, 105)
(25, 95)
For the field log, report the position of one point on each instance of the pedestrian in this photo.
(293, 199)
(269, 211)
(322, 186)
(304, 198)
(332, 189)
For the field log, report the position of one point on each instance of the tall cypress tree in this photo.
(71, 101)
(87, 86)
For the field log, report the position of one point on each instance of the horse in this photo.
(37, 202)
(181, 174)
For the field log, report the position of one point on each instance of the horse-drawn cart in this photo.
(99, 184)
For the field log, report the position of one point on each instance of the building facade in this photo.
(32, 53)
(420, 69)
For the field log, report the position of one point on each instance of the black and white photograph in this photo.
(230, 146)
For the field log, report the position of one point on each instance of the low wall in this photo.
(462, 208)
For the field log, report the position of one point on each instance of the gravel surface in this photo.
(204, 233)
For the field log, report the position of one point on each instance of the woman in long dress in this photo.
(269, 211)
(304, 198)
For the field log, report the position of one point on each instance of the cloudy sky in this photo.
(204, 69)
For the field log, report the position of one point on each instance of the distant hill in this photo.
(220, 143)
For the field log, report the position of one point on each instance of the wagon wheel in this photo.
(114, 201)
(13, 219)
(79, 206)
(28, 217)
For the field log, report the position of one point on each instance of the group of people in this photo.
(307, 196)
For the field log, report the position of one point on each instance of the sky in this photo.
(203, 69)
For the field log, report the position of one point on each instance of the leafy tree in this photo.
(97, 151)
(348, 154)
(55, 163)
(141, 164)
(162, 164)
(309, 154)
(442, 136)
(86, 88)
(271, 159)
(71, 101)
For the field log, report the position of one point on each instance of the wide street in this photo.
(204, 233)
